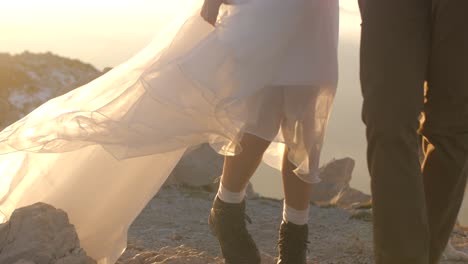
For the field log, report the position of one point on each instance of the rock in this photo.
(335, 177)
(452, 254)
(199, 167)
(28, 80)
(106, 70)
(459, 229)
(335, 188)
(40, 234)
(352, 197)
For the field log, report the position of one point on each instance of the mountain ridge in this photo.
(27, 80)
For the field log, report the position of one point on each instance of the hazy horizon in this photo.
(99, 33)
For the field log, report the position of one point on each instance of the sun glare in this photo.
(103, 33)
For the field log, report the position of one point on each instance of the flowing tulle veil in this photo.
(101, 194)
(102, 151)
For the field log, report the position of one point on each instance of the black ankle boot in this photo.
(227, 223)
(292, 244)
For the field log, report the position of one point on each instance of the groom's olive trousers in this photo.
(405, 43)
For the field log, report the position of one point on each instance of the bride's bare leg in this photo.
(296, 192)
(227, 217)
(239, 169)
(302, 105)
(293, 233)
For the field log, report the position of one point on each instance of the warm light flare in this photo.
(103, 33)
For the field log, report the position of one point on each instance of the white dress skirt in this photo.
(103, 150)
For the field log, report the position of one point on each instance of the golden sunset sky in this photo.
(104, 33)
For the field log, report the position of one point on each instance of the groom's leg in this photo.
(394, 56)
(446, 126)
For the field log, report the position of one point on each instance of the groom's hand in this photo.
(210, 10)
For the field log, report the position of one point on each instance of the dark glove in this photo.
(210, 10)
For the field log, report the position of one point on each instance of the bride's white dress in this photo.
(102, 151)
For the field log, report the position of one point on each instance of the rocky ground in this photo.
(40, 234)
(173, 229)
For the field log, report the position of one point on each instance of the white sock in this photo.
(230, 197)
(297, 217)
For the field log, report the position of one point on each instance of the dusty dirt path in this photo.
(173, 229)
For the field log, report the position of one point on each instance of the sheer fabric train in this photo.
(103, 150)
